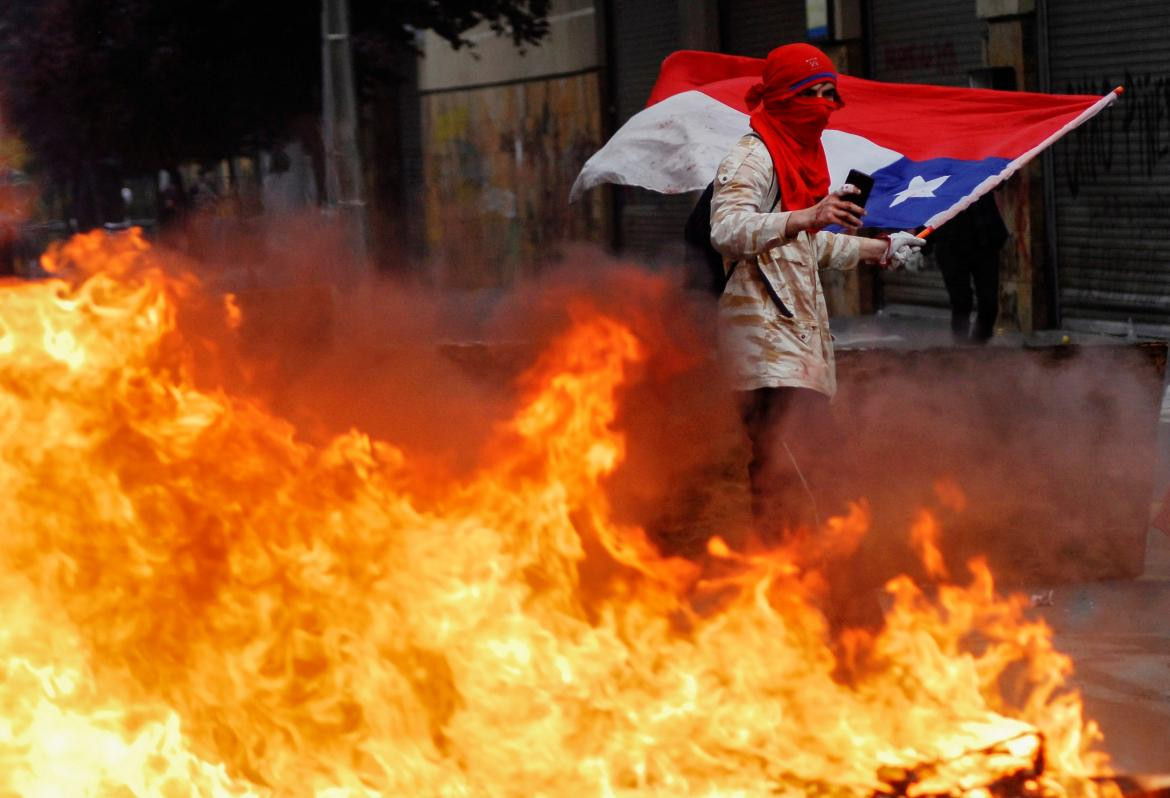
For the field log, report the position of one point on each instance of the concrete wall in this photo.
(505, 133)
(571, 46)
(499, 163)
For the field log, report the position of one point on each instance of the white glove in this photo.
(899, 248)
(914, 260)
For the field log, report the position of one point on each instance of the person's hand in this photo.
(914, 260)
(836, 208)
(900, 248)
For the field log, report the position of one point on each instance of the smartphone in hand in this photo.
(861, 181)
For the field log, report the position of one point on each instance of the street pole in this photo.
(343, 168)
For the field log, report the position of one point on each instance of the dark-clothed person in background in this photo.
(967, 251)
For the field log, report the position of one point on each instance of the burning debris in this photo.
(998, 766)
(1044, 598)
(196, 600)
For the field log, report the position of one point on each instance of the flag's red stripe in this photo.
(693, 69)
(962, 123)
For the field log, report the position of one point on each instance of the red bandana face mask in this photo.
(805, 118)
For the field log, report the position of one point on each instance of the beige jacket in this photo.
(764, 348)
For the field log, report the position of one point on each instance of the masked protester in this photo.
(771, 200)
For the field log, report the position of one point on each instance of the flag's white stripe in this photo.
(845, 151)
(672, 147)
(676, 145)
(1013, 167)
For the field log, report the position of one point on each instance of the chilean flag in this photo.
(932, 150)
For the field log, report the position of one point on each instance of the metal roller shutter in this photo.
(924, 41)
(643, 33)
(755, 27)
(1112, 176)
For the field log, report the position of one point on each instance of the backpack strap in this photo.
(771, 289)
(774, 187)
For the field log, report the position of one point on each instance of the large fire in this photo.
(197, 601)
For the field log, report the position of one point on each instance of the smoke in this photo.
(1053, 448)
(1116, 634)
(331, 347)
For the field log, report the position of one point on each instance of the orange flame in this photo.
(924, 535)
(196, 601)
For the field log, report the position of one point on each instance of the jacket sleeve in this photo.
(743, 186)
(837, 251)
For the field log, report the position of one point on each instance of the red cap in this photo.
(789, 69)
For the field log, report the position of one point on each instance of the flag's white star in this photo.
(918, 188)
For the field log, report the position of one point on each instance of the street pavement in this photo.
(1116, 632)
(1118, 635)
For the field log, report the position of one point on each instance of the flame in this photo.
(924, 536)
(197, 601)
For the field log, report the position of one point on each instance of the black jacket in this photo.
(979, 227)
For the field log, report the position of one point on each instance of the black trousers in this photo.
(801, 473)
(960, 270)
(795, 446)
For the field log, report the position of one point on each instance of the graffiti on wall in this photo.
(499, 163)
(938, 56)
(1133, 137)
(1113, 182)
